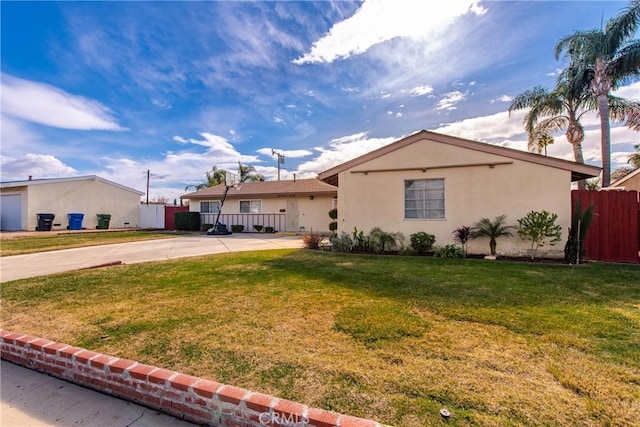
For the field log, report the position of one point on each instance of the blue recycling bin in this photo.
(75, 221)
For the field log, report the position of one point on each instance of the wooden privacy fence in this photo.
(169, 216)
(614, 234)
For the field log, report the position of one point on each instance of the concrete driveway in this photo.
(43, 263)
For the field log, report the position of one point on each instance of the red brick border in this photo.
(190, 398)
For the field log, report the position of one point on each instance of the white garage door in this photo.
(11, 212)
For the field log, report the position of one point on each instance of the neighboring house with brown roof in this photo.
(628, 182)
(297, 205)
(23, 202)
(436, 183)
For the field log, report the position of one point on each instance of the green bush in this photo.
(206, 227)
(333, 226)
(258, 228)
(187, 221)
(540, 228)
(237, 228)
(269, 229)
(342, 243)
(422, 242)
(449, 251)
(333, 214)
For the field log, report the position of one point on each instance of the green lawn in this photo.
(384, 337)
(53, 242)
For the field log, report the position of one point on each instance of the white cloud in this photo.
(180, 139)
(340, 150)
(50, 106)
(449, 101)
(503, 98)
(379, 21)
(287, 153)
(421, 90)
(36, 165)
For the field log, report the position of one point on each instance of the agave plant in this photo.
(492, 229)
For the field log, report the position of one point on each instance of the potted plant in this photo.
(492, 229)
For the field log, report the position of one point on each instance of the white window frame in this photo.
(255, 206)
(429, 197)
(213, 206)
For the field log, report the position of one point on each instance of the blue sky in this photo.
(118, 88)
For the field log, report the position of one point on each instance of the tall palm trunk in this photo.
(575, 136)
(601, 86)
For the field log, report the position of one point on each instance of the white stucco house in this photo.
(22, 201)
(436, 183)
(299, 205)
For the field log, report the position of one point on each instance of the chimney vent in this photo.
(30, 177)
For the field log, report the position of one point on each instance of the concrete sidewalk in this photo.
(29, 398)
(43, 263)
(32, 399)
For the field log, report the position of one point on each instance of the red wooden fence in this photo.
(614, 234)
(169, 216)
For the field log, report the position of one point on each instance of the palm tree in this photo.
(248, 173)
(492, 229)
(215, 177)
(554, 111)
(601, 60)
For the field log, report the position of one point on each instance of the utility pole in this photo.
(280, 160)
(148, 178)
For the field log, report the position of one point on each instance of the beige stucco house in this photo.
(436, 183)
(298, 205)
(22, 201)
(628, 182)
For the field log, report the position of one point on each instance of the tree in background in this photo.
(248, 173)
(215, 177)
(602, 60)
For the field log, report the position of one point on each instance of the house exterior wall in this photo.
(90, 197)
(376, 199)
(312, 214)
(631, 183)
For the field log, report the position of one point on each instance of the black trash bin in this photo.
(45, 221)
(103, 221)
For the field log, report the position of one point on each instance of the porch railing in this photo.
(277, 221)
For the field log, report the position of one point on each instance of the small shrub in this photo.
(342, 243)
(382, 241)
(258, 228)
(206, 227)
(361, 242)
(237, 228)
(462, 235)
(540, 228)
(581, 219)
(333, 214)
(312, 240)
(449, 251)
(422, 242)
(333, 226)
(269, 229)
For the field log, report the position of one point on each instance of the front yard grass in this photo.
(53, 242)
(383, 337)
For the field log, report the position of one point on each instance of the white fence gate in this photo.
(152, 215)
